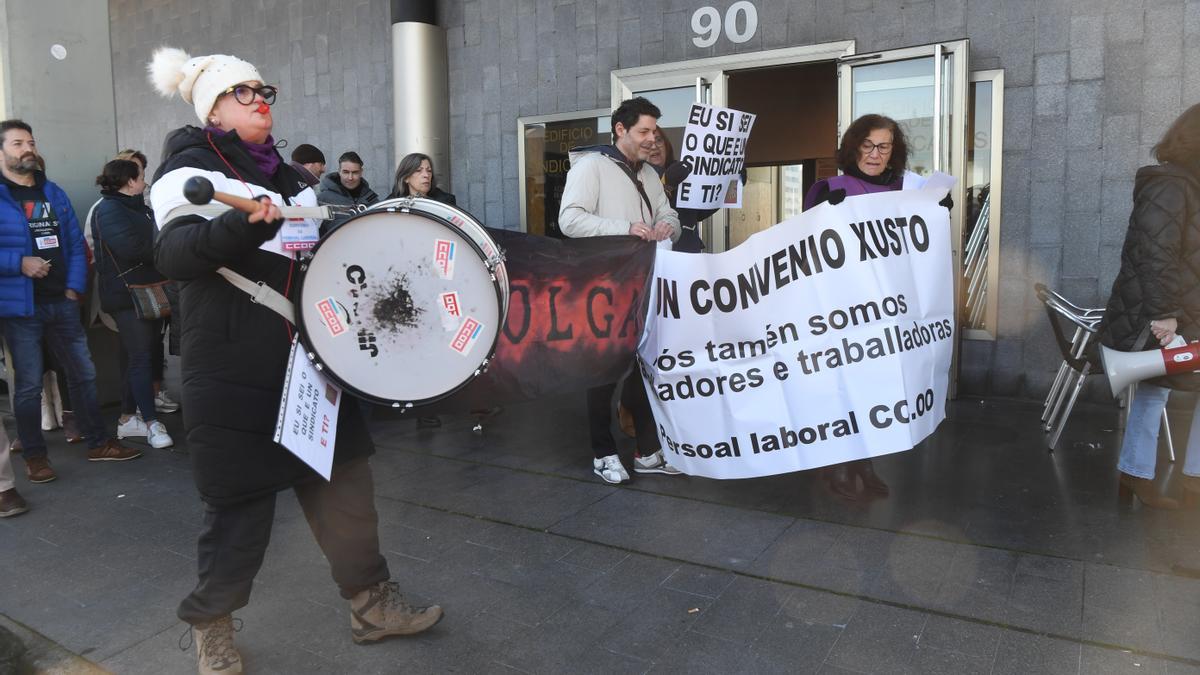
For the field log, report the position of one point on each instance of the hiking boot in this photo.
(215, 653)
(381, 611)
(38, 469)
(655, 463)
(12, 504)
(134, 426)
(610, 469)
(70, 427)
(158, 436)
(112, 451)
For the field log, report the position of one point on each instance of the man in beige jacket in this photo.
(613, 190)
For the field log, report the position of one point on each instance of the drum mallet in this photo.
(199, 190)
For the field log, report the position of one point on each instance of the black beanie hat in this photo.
(307, 154)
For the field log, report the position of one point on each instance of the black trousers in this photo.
(633, 397)
(341, 514)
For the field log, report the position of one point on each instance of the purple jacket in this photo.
(852, 185)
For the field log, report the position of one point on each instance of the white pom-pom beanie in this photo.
(198, 80)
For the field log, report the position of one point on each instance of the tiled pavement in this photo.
(991, 556)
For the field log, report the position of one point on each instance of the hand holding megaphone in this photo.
(1126, 368)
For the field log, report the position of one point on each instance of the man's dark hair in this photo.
(847, 154)
(630, 111)
(1181, 143)
(117, 174)
(350, 156)
(308, 154)
(13, 124)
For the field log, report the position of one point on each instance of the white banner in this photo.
(714, 146)
(824, 339)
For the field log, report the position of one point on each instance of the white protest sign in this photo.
(821, 340)
(714, 146)
(308, 413)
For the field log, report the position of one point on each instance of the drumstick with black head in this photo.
(199, 190)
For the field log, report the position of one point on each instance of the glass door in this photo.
(925, 90)
(674, 93)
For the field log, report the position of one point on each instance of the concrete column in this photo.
(420, 85)
(56, 74)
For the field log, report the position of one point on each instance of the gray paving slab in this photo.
(542, 568)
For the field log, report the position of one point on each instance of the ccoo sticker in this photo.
(468, 334)
(327, 308)
(443, 258)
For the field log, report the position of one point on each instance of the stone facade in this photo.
(331, 61)
(1090, 86)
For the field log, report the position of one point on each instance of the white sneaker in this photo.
(158, 437)
(610, 469)
(655, 463)
(164, 403)
(134, 426)
(49, 420)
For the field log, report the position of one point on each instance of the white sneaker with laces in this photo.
(610, 469)
(655, 463)
(164, 403)
(157, 436)
(134, 426)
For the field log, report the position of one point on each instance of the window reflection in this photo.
(547, 148)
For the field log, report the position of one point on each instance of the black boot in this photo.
(871, 480)
(842, 481)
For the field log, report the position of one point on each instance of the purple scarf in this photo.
(263, 154)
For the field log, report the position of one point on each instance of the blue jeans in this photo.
(1139, 448)
(137, 344)
(60, 324)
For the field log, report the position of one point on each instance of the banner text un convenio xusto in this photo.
(824, 339)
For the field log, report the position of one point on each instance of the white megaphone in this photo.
(1126, 368)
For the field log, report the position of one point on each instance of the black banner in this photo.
(576, 310)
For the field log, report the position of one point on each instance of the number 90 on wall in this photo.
(741, 22)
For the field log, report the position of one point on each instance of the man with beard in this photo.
(43, 271)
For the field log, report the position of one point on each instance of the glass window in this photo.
(978, 224)
(546, 146)
(902, 90)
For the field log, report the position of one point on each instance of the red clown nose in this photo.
(263, 108)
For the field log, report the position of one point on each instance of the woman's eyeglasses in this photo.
(868, 147)
(244, 93)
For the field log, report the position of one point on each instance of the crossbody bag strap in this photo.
(637, 183)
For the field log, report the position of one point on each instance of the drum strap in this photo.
(261, 294)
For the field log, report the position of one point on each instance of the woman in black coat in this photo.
(1155, 297)
(235, 355)
(123, 231)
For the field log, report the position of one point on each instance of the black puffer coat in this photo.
(235, 352)
(1160, 265)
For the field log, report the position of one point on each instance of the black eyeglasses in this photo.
(868, 147)
(244, 93)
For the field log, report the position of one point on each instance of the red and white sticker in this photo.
(450, 306)
(468, 334)
(327, 308)
(443, 258)
(44, 243)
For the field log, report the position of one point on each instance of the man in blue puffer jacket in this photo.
(43, 271)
